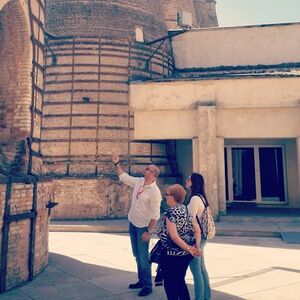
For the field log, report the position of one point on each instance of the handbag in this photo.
(156, 253)
(206, 222)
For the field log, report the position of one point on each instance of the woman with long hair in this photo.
(196, 206)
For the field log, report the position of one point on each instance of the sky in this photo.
(253, 12)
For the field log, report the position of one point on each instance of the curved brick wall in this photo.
(23, 257)
(106, 18)
(86, 112)
(15, 80)
(86, 117)
(23, 213)
(86, 105)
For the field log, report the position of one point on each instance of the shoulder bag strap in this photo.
(205, 202)
(199, 223)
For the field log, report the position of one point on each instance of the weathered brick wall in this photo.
(15, 87)
(90, 199)
(44, 194)
(21, 83)
(13, 157)
(94, 198)
(86, 105)
(19, 232)
(17, 265)
(206, 13)
(86, 111)
(107, 18)
(21, 94)
(171, 7)
(16, 65)
(36, 10)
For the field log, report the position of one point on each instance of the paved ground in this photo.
(90, 266)
(261, 226)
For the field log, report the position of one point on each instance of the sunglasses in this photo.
(168, 195)
(149, 170)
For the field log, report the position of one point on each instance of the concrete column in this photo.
(298, 161)
(221, 176)
(207, 153)
(195, 155)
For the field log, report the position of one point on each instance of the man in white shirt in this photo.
(143, 214)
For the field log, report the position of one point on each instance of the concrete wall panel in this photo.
(234, 46)
(258, 123)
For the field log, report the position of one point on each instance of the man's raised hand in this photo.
(115, 158)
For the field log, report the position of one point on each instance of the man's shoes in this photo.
(145, 291)
(134, 286)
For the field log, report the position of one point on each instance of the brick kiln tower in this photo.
(95, 48)
(24, 195)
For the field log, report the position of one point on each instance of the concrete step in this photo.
(104, 226)
(260, 218)
(257, 227)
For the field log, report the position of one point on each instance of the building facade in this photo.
(64, 108)
(235, 115)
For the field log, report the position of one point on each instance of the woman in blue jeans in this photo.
(195, 183)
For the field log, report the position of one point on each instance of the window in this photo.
(255, 173)
(139, 34)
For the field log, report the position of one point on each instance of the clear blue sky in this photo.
(252, 12)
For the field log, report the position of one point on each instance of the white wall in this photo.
(258, 122)
(238, 92)
(246, 108)
(236, 46)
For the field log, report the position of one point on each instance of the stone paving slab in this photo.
(109, 226)
(94, 266)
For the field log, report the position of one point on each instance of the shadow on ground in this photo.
(268, 242)
(68, 279)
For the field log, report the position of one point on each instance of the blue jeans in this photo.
(140, 250)
(200, 275)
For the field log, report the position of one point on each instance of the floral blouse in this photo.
(179, 215)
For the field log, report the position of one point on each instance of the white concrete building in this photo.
(233, 107)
